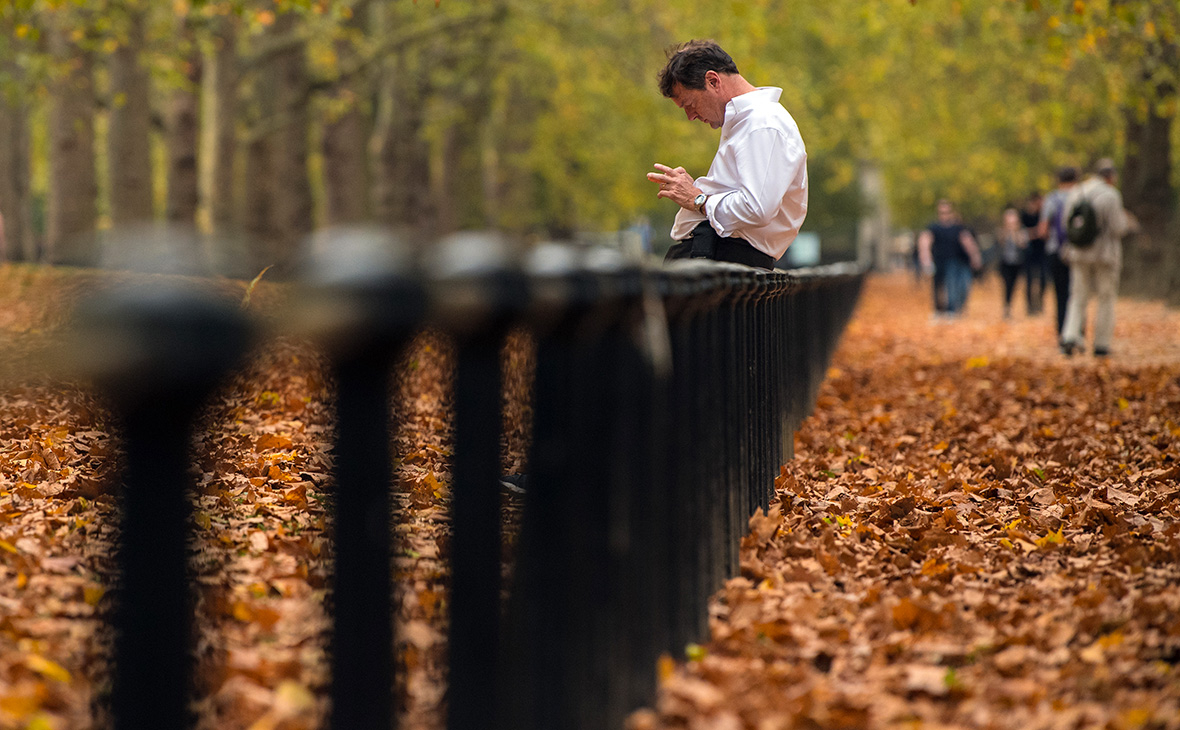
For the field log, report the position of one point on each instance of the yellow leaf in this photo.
(666, 667)
(933, 567)
(694, 652)
(1051, 538)
(242, 612)
(47, 668)
(1123, 404)
(41, 721)
(251, 286)
(4, 545)
(292, 698)
(976, 362)
(22, 580)
(93, 594)
(24, 701)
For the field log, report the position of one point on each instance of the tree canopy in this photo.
(542, 117)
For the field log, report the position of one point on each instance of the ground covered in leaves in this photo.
(262, 464)
(975, 532)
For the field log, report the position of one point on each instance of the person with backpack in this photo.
(1052, 229)
(1095, 224)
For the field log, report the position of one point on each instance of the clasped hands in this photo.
(675, 185)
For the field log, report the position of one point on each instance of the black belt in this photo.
(706, 244)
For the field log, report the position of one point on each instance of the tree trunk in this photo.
(873, 230)
(401, 161)
(219, 150)
(1148, 193)
(344, 144)
(17, 240)
(278, 199)
(182, 120)
(444, 164)
(130, 129)
(345, 161)
(73, 188)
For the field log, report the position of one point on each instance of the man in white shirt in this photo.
(750, 205)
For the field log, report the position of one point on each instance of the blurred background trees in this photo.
(265, 119)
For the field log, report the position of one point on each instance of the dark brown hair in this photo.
(689, 62)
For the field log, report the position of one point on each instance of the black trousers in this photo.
(1035, 266)
(1060, 271)
(706, 244)
(1009, 273)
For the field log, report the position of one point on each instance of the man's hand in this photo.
(675, 185)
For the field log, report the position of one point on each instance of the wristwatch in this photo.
(699, 202)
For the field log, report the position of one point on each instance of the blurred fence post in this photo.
(479, 293)
(666, 401)
(157, 353)
(364, 301)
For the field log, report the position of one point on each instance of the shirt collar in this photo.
(742, 103)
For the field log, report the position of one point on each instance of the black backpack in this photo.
(1081, 227)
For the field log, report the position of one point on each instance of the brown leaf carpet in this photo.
(975, 532)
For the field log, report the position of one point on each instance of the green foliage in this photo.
(553, 107)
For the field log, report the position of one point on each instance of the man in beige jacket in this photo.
(1094, 269)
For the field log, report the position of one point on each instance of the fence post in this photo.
(364, 301)
(477, 295)
(156, 353)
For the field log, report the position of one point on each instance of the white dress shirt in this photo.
(757, 184)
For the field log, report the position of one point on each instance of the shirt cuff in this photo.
(711, 212)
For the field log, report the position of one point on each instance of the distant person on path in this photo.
(1034, 259)
(950, 249)
(1052, 229)
(1012, 240)
(750, 205)
(1094, 267)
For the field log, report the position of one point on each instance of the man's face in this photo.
(704, 104)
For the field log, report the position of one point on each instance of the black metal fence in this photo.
(665, 402)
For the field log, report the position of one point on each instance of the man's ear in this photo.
(712, 79)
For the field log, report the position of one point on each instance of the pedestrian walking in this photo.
(948, 248)
(1095, 226)
(1052, 229)
(1012, 241)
